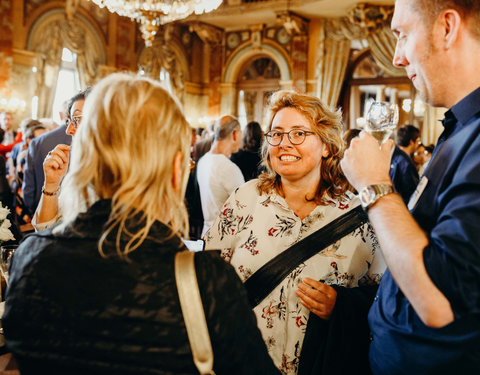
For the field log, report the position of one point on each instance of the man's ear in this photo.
(451, 22)
(235, 134)
(177, 172)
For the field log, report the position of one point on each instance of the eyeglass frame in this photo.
(75, 120)
(269, 137)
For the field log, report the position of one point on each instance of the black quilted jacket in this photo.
(70, 311)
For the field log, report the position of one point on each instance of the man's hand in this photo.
(365, 163)
(55, 166)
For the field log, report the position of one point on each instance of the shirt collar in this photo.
(465, 109)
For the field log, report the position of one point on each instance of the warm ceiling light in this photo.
(153, 13)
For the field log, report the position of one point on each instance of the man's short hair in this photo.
(407, 133)
(82, 95)
(225, 126)
(30, 132)
(28, 123)
(469, 10)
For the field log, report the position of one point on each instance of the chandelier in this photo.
(12, 104)
(153, 13)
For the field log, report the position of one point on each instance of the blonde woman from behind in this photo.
(97, 293)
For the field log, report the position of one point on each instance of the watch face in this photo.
(366, 196)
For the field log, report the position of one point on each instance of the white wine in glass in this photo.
(381, 120)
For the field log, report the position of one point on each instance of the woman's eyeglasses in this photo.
(295, 136)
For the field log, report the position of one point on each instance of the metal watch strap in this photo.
(372, 193)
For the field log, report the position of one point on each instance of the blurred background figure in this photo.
(217, 175)
(422, 156)
(17, 167)
(248, 158)
(403, 171)
(203, 145)
(6, 123)
(49, 123)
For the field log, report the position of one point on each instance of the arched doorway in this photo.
(259, 77)
(239, 62)
(366, 81)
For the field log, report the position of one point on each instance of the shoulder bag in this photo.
(192, 310)
(271, 274)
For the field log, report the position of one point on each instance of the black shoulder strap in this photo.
(271, 274)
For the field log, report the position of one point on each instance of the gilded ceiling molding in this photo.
(371, 17)
(207, 33)
(71, 7)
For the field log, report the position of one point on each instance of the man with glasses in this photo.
(217, 175)
(39, 148)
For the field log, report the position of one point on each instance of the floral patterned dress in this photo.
(252, 229)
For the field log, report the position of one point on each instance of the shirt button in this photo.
(376, 298)
(370, 338)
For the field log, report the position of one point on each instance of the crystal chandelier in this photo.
(153, 13)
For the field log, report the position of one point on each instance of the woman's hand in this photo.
(55, 166)
(318, 297)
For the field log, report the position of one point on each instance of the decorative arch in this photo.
(46, 10)
(237, 61)
(51, 31)
(41, 26)
(246, 53)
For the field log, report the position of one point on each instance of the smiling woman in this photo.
(302, 190)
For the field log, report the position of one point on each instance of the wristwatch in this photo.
(372, 193)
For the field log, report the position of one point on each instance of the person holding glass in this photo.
(303, 190)
(96, 294)
(426, 317)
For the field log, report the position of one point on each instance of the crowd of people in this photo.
(324, 253)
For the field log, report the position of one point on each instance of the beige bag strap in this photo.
(192, 310)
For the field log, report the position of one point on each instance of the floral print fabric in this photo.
(252, 229)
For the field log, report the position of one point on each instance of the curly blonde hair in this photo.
(124, 150)
(327, 124)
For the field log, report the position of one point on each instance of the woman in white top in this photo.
(302, 190)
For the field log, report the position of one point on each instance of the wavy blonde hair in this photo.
(327, 124)
(124, 150)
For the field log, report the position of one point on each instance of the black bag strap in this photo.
(271, 274)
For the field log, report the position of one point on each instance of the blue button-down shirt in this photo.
(448, 210)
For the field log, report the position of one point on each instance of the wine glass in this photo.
(6, 253)
(381, 120)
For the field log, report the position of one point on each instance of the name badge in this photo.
(417, 193)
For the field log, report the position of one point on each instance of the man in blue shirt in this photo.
(426, 316)
(34, 177)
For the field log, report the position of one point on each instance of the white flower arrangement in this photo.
(5, 232)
